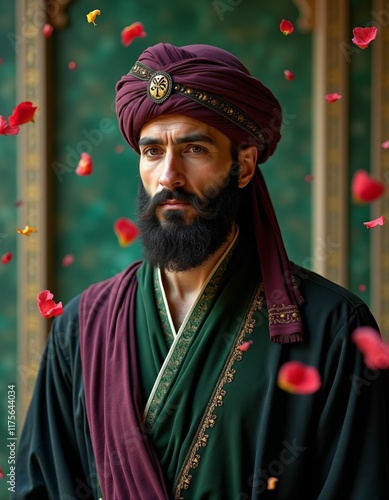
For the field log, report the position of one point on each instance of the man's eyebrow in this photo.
(197, 137)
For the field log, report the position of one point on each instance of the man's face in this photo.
(179, 152)
(189, 191)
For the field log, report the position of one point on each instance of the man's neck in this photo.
(183, 286)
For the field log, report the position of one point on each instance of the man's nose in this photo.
(172, 175)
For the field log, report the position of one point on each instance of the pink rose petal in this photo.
(364, 188)
(385, 145)
(46, 305)
(333, 97)
(363, 36)
(380, 221)
(85, 165)
(374, 350)
(67, 260)
(297, 378)
(245, 346)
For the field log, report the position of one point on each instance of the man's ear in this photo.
(247, 158)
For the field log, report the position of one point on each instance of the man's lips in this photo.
(175, 203)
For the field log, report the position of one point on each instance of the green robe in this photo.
(216, 417)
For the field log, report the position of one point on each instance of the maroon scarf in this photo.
(112, 395)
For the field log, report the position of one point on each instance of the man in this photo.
(161, 382)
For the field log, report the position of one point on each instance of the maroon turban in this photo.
(208, 84)
(211, 85)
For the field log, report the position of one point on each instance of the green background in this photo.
(83, 119)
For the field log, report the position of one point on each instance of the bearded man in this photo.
(161, 382)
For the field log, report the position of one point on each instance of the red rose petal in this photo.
(309, 178)
(363, 36)
(297, 378)
(364, 188)
(245, 346)
(362, 287)
(333, 97)
(130, 32)
(67, 260)
(288, 75)
(47, 30)
(374, 350)
(85, 165)
(2, 475)
(18, 203)
(72, 65)
(380, 221)
(5, 258)
(6, 129)
(22, 113)
(126, 231)
(46, 305)
(286, 27)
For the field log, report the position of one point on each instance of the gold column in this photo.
(330, 141)
(380, 165)
(32, 190)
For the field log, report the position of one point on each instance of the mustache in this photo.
(148, 209)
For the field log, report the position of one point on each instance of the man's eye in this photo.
(151, 151)
(196, 149)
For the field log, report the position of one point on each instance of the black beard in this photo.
(177, 246)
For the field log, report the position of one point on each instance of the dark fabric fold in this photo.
(112, 394)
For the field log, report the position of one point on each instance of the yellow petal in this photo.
(27, 230)
(92, 16)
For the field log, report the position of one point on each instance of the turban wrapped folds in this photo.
(211, 85)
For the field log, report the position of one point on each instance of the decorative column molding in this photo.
(32, 190)
(330, 141)
(306, 19)
(380, 165)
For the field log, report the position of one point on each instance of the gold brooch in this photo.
(159, 87)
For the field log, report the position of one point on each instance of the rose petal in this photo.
(92, 16)
(374, 350)
(119, 148)
(271, 483)
(5, 258)
(130, 32)
(18, 203)
(22, 113)
(288, 75)
(363, 36)
(46, 305)
(67, 260)
(27, 230)
(364, 188)
(380, 221)
(297, 378)
(47, 30)
(309, 178)
(72, 65)
(126, 231)
(362, 287)
(385, 145)
(333, 97)
(6, 129)
(2, 475)
(85, 165)
(286, 27)
(245, 346)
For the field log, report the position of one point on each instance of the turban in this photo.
(204, 82)
(211, 85)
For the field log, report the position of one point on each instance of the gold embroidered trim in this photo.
(163, 316)
(185, 340)
(200, 440)
(211, 101)
(284, 314)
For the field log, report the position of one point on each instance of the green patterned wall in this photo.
(8, 235)
(86, 207)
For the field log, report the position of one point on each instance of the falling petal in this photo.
(5, 258)
(72, 65)
(22, 113)
(374, 350)
(288, 75)
(85, 165)
(297, 378)
(46, 305)
(119, 148)
(6, 129)
(362, 287)
(2, 475)
(245, 346)
(47, 30)
(286, 27)
(363, 36)
(67, 260)
(385, 145)
(130, 32)
(126, 231)
(18, 203)
(380, 221)
(308, 178)
(27, 230)
(333, 97)
(271, 483)
(364, 188)
(92, 16)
